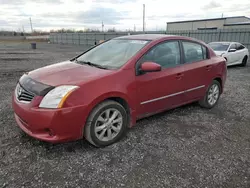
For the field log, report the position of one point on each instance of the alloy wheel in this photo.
(213, 94)
(108, 124)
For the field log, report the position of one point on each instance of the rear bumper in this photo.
(50, 125)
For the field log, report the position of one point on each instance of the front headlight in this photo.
(57, 96)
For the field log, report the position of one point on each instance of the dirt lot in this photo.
(185, 147)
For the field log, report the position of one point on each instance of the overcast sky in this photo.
(121, 14)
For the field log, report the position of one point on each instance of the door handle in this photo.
(179, 76)
(208, 67)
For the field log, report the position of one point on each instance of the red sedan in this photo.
(100, 93)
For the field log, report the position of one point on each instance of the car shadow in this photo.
(69, 147)
(238, 66)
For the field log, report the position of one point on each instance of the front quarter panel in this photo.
(247, 52)
(119, 84)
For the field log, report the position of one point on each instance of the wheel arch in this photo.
(218, 79)
(118, 97)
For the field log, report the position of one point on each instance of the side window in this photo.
(166, 54)
(233, 46)
(194, 52)
(240, 47)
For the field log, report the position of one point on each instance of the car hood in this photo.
(67, 73)
(219, 53)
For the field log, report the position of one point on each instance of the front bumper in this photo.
(51, 125)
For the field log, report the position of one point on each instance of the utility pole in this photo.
(143, 17)
(102, 26)
(23, 30)
(31, 26)
(134, 28)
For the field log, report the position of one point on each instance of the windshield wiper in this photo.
(91, 64)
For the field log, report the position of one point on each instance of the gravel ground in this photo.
(185, 147)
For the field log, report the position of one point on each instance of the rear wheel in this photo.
(212, 95)
(106, 124)
(244, 61)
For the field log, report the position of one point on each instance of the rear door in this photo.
(198, 70)
(161, 90)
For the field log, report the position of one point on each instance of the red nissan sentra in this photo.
(102, 92)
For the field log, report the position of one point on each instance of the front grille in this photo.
(23, 95)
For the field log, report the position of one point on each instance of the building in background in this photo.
(210, 24)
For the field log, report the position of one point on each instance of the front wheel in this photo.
(212, 95)
(244, 62)
(106, 124)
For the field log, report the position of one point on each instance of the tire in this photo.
(244, 61)
(99, 126)
(206, 102)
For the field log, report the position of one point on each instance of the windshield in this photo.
(219, 46)
(113, 53)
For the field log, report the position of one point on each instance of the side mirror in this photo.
(232, 50)
(150, 67)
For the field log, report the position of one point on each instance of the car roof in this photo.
(145, 36)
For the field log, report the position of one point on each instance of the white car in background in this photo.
(234, 52)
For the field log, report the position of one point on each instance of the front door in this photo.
(157, 91)
(232, 56)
